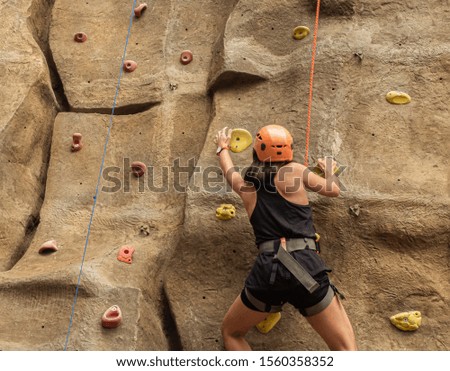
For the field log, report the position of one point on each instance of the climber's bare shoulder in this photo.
(290, 183)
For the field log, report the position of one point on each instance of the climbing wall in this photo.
(386, 237)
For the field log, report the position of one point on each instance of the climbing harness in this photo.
(311, 80)
(282, 255)
(309, 311)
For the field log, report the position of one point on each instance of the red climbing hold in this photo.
(80, 37)
(48, 247)
(138, 168)
(125, 254)
(139, 10)
(112, 318)
(77, 145)
(129, 66)
(186, 57)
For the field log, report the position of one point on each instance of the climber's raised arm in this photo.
(232, 176)
(327, 186)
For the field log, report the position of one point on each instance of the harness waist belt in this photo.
(293, 244)
(289, 262)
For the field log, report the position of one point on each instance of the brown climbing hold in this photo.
(126, 254)
(76, 145)
(138, 168)
(186, 57)
(129, 66)
(48, 247)
(112, 317)
(80, 37)
(139, 10)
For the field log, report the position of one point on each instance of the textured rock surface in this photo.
(28, 108)
(390, 255)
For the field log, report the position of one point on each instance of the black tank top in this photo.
(275, 217)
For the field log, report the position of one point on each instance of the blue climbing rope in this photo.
(99, 178)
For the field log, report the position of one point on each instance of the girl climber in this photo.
(287, 268)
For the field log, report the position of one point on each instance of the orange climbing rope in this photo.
(311, 79)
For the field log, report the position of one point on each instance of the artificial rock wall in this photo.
(391, 255)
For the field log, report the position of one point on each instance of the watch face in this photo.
(219, 149)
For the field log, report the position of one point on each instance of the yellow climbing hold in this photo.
(407, 321)
(300, 32)
(241, 139)
(398, 97)
(269, 323)
(337, 171)
(226, 212)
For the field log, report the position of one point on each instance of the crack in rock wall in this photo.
(247, 71)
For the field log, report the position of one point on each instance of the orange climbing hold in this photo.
(138, 168)
(48, 247)
(76, 145)
(129, 66)
(126, 254)
(139, 10)
(186, 57)
(80, 37)
(112, 318)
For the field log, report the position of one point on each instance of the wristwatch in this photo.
(220, 149)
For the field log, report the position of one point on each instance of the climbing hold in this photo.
(359, 55)
(138, 168)
(139, 10)
(129, 66)
(337, 171)
(225, 212)
(125, 254)
(407, 321)
(76, 144)
(241, 139)
(355, 210)
(80, 37)
(112, 317)
(145, 230)
(269, 323)
(300, 32)
(398, 97)
(186, 57)
(48, 247)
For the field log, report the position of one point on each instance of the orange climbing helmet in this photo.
(273, 143)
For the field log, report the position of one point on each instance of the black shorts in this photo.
(285, 287)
